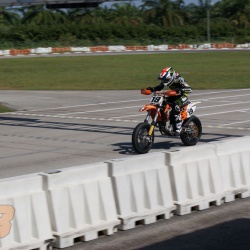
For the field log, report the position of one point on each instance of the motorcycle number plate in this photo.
(156, 100)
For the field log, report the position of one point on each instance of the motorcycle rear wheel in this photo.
(192, 130)
(141, 141)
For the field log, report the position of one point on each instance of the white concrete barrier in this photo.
(246, 45)
(142, 189)
(6, 52)
(81, 203)
(158, 47)
(116, 48)
(205, 46)
(43, 50)
(234, 163)
(80, 49)
(195, 178)
(163, 47)
(29, 227)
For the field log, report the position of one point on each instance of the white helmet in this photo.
(167, 76)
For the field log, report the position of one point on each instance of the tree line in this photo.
(153, 22)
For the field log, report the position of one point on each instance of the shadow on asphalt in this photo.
(126, 148)
(233, 235)
(73, 126)
(122, 148)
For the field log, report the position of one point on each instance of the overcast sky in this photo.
(196, 1)
(139, 2)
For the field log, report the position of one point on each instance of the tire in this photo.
(192, 130)
(141, 141)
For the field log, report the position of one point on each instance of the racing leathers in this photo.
(183, 89)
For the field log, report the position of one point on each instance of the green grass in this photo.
(4, 109)
(213, 70)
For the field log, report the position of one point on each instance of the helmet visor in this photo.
(168, 79)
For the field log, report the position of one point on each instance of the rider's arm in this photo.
(157, 88)
(184, 87)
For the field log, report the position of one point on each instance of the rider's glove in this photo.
(178, 91)
(151, 89)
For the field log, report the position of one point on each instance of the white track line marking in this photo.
(75, 117)
(84, 105)
(224, 112)
(220, 127)
(121, 120)
(234, 123)
(103, 110)
(222, 97)
(139, 114)
(137, 100)
(100, 110)
(220, 105)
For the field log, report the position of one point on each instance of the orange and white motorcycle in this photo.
(159, 110)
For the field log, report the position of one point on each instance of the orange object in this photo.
(171, 93)
(184, 114)
(145, 92)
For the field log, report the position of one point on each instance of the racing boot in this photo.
(178, 123)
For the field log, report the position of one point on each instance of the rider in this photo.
(173, 80)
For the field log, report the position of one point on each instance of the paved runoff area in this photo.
(58, 129)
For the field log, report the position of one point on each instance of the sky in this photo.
(196, 1)
(138, 2)
(190, 1)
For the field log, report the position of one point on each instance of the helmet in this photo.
(167, 76)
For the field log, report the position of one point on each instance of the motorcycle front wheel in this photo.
(191, 131)
(141, 141)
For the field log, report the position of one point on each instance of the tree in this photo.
(126, 13)
(38, 14)
(237, 11)
(163, 12)
(8, 17)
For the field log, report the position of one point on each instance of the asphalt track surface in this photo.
(53, 130)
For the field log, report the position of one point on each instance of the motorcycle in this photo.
(159, 110)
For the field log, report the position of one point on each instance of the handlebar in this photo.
(146, 92)
(171, 93)
(167, 93)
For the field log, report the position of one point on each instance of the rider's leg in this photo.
(177, 104)
(177, 116)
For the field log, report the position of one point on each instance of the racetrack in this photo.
(58, 129)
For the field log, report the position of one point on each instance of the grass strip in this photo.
(202, 70)
(4, 109)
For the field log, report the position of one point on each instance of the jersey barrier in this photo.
(28, 223)
(196, 178)
(60, 207)
(142, 189)
(234, 162)
(81, 203)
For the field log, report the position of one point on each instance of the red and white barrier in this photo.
(121, 48)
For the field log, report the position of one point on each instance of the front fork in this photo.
(152, 126)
